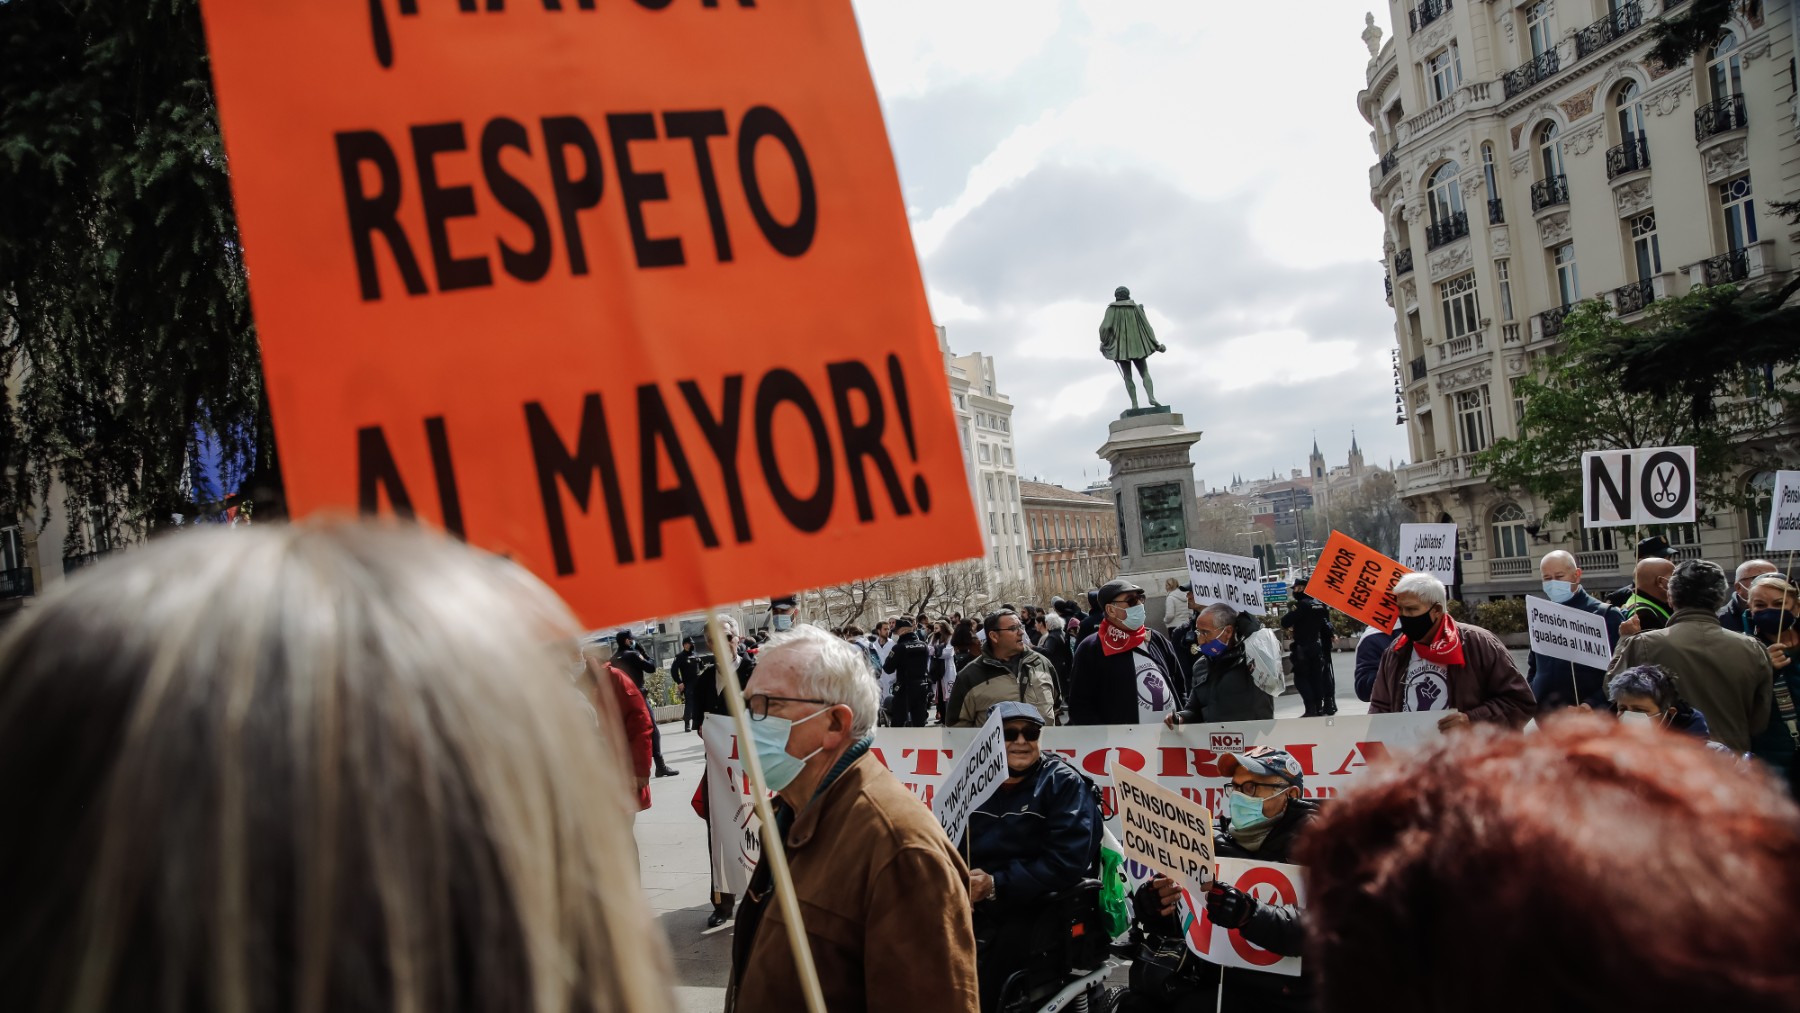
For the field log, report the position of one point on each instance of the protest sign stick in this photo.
(1781, 623)
(726, 659)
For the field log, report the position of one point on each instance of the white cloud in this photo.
(1052, 149)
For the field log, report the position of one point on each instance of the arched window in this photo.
(1628, 103)
(1446, 193)
(1550, 150)
(1724, 69)
(1759, 491)
(1510, 539)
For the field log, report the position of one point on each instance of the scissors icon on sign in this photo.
(1665, 479)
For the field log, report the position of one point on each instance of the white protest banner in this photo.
(1572, 634)
(976, 776)
(1429, 548)
(1269, 883)
(1332, 752)
(1625, 488)
(1784, 513)
(1234, 580)
(1163, 830)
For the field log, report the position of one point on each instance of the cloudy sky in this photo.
(1053, 149)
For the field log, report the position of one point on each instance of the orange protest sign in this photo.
(1357, 581)
(623, 290)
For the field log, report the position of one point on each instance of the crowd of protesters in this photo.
(366, 768)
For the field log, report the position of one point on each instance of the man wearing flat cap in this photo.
(1125, 673)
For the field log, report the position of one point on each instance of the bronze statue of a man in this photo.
(1126, 339)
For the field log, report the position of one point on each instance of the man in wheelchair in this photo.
(1265, 815)
(1034, 853)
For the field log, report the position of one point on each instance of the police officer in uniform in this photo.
(909, 662)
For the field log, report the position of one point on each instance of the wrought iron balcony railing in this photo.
(1403, 262)
(1450, 228)
(16, 583)
(1550, 322)
(1634, 298)
(1524, 76)
(1547, 193)
(1496, 212)
(1418, 368)
(1727, 267)
(1426, 13)
(1717, 117)
(1631, 156)
(1391, 160)
(1602, 33)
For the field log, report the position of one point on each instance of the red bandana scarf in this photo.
(1114, 640)
(1446, 649)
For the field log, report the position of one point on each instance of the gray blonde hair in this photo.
(1428, 588)
(829, 669)
(322, 768)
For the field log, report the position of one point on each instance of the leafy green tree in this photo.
(1575, 403)
(124, 320)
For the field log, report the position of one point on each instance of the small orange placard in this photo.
(1357, 581)
(623, 290)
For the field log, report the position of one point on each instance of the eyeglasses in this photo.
(759, 703)
(1008, 629)
(1029, 733)
(1256, 789)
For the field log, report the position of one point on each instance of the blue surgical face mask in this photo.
(1559, 591)
(770, 737)
(783, 623)
(1134, 618)
(1246, 812)
(1214, 647)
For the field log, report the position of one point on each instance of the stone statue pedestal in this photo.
(1154, 499)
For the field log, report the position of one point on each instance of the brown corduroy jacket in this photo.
(885, 899)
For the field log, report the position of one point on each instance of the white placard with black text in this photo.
(1784, 513)
(978, 773)
(1627, 488)
(1429, 548)
(1234, 580)
(1572, 634)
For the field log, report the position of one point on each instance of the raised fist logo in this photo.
(1151, 692)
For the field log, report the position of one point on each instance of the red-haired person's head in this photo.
(1588, 866)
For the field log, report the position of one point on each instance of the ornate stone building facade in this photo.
(984, 424)
(1529, 156)
(1074, 540)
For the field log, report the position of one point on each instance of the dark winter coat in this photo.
(1277, 928)
(1487, 686)
(1103, 687)
(1554, 680)
(1368, 660)
(1037, 837)
(1223, 688)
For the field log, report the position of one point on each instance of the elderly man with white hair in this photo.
(1732, 615)
(1438, 664)
(885, 895)
(1558, 682)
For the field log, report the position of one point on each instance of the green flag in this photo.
(1114, 903)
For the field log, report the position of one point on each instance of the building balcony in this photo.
(1718, 117)
(1523, 77)
(1754, 264)
(1510, 566)
(1453, 470)
(1604, 32)
(1633, 298)
(1598, 561)
(73, 563)
(1546, 326)
(16, 583)
(1496, 212)
(1387, 285)
(1509, 333)
(1426, 13)
(1417, 369)
(1390, 161)
(1549, 193)
(1752, 548)
(1632, 156)
(1403, 263)
(1457, 348)
(1449, 229)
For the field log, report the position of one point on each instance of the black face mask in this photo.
(1766, 623)
(1417, 628)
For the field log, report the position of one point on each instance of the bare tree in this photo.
(1371, 513)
